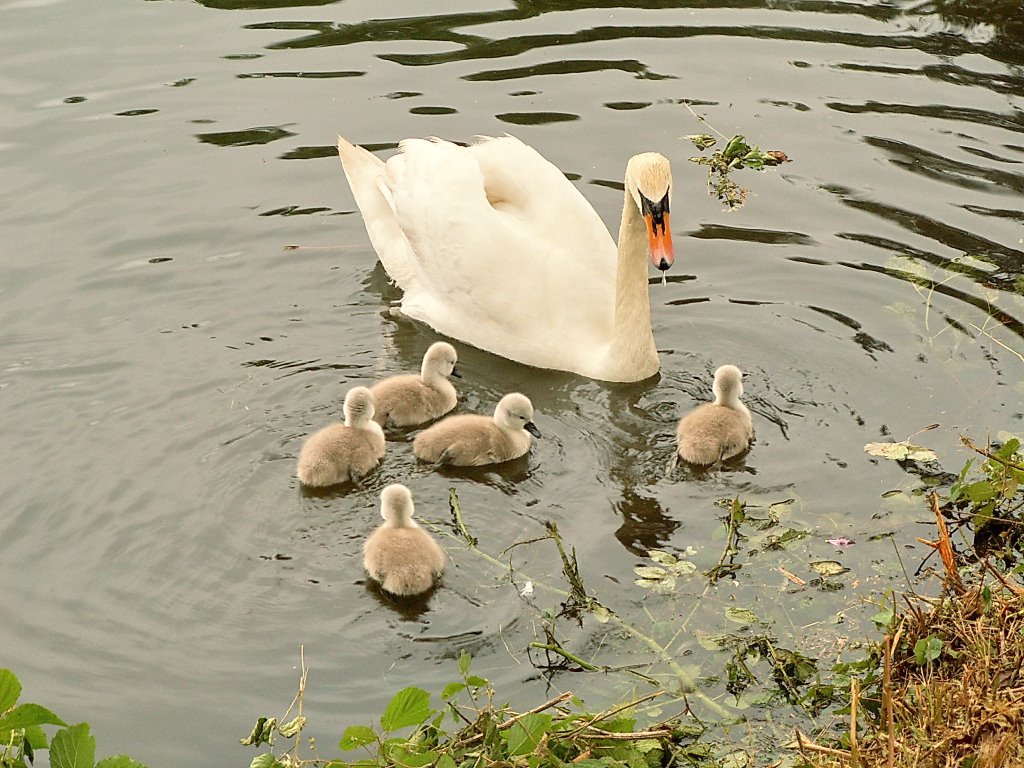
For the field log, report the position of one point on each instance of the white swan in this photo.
(408, 400)
(342, 452)
(720, 430)
(470, 440)
(404, 558)
(492, 245)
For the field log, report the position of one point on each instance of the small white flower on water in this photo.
(527, 589)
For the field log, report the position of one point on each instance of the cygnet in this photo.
(400, 555)
(469, 440)
(405, 401)
(343, 452)
(720, 430)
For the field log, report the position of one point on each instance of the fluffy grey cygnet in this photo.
(405, 401)
(720, 430)
(400, 555)
(468, 440)
(343, 452)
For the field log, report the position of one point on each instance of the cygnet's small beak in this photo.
(532, 429)
(455, 373)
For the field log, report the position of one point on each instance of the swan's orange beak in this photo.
(659, 235)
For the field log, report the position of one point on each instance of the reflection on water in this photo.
(165, 355)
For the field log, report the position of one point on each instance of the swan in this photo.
(720, 430)
(405, 401)
(470, 440)
(343, 452)
(399, 554)
(493, 246)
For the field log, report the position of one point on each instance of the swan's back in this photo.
(711, 432)
(492, 245)
(406, 561)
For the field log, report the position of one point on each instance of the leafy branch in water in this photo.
(736, 154)
(479, 733)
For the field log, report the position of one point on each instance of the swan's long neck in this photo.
(633, 350)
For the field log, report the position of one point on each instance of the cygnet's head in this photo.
(515, 411)
(649, 182)
(728, 385)
(441, 359)
(396, 505)
(358, 406)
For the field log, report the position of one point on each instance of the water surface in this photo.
(163, 355)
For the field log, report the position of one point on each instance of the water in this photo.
(162, 355)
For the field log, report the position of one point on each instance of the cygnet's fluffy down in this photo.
(719, 430)
(400, 555)
(343, 452)
(470, 441)
(405, 401)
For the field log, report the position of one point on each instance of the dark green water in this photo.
(162, 356)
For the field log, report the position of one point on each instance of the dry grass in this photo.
(963, 710)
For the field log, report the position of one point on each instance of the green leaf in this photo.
(266, 760)
(600, 613)
(619, 725)
(957, 489)
(413, 760)
(523, 737)
(476, 682)
(883, 618)
(740, 615)
(1008, 448)
(262, 732)
(702, 140)
(356, 736)
(661, 557)
(982, 490)
(927, 649)
(36, 737)
(445, 761)
(292, 727)
(652, 572)
(73, 747)
(119, 761)
(464, 660)
(829, 567)
(902, 451)
(24, 715)
(410, 706)
(10, 689)
(451, 689)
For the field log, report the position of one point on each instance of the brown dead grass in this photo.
(964, 709)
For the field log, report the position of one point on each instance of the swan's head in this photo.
(396, 505)
(440, 359)
(649, 182)
(515, 411)
(358, 406)
(728, 385)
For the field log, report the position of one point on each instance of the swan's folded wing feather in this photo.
(366, 177)
(474, 259)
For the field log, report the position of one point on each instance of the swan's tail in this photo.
(367, 176)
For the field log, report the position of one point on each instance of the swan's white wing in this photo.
(494, 246)
(366, 177)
